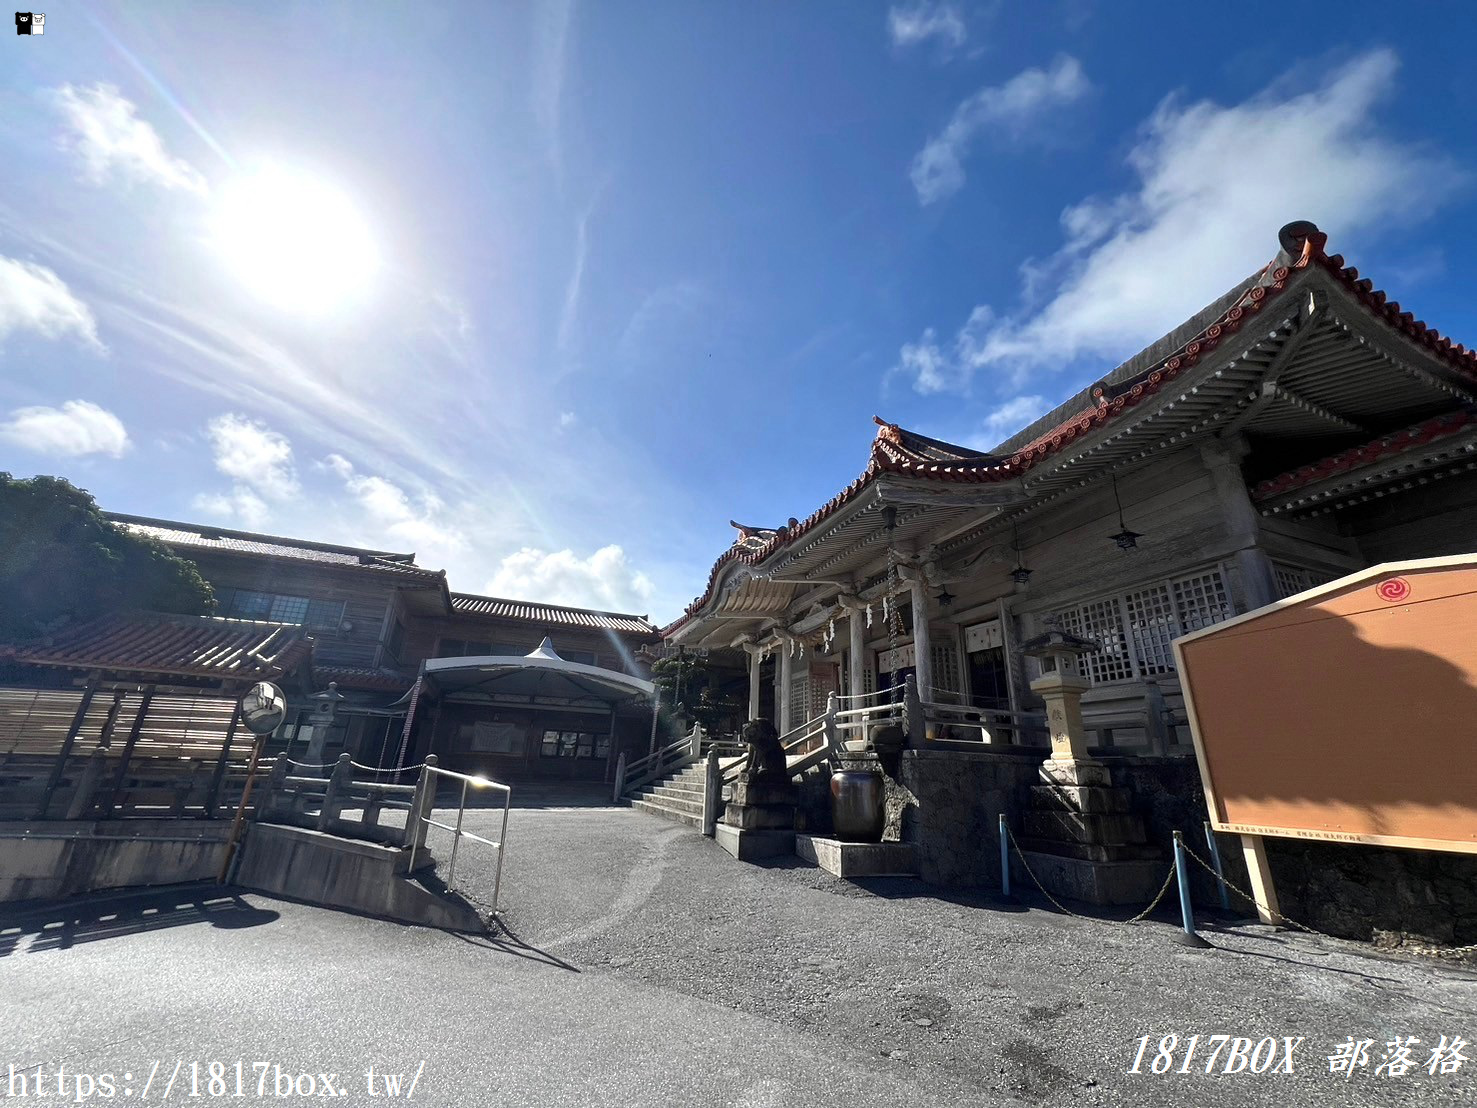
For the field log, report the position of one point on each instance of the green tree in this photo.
(702, 692)
(62, 561)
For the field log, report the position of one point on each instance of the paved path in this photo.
(645, 967)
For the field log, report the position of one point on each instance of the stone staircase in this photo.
(677, 796)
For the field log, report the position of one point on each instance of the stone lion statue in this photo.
(766, 755)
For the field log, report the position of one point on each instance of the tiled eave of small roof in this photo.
(356, 677)
(495, 607)
(896, 451)
(192, 537)
(171, 646)
(1370, 461)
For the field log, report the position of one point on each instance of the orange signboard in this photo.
(1347, 712)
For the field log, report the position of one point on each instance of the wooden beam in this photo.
(1254, 851)
(66, 751)
(220, 768)
(1307, 324)
(111, 805)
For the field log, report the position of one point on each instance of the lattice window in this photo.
(799, 697)
(1135, 631)
(1292, 580)
(1151, 628)
(946, 682)
(325, 615)
(1201, 601)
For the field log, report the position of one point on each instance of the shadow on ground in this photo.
(57, 925)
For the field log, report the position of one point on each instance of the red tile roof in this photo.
(1397, 442)
(172, 646)
(468, 604)
(898, 451)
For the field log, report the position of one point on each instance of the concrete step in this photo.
(676, 803)
(676, 792)
(660, 809)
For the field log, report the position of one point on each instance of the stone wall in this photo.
(1355, 891)
(948, 804)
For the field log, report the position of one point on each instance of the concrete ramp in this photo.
(344, 873)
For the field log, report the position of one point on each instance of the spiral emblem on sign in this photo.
(1394, 590)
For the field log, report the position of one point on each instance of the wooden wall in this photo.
(366, 597)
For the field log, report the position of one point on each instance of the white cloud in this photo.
(392, 512)
(938, 171)
(104, 129)
(257, 457)
(34, 298)
(920, 22)
(567, 420)
(240, 505)
(605, 580)
(78, 427)
(1012, 416)
(1215, 184)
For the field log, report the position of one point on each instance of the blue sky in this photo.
(548, 293)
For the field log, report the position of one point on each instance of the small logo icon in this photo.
(1394, 590)
(28, 23)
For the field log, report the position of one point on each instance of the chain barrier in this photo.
(305, 765)
(1164, 888)
(386, 769)
(1444, 952)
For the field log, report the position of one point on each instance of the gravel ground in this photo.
(641, 965)
(1024, 1004)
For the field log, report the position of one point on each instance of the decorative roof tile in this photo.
(493, 607)
(172, 646)
(1397, 442)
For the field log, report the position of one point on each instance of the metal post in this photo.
(1220, 876)
(1004, 858)
(1187, 912)
(656, 707)
(502, 842)
(234, 842)
(456, 840)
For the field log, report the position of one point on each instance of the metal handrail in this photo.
(457, 833)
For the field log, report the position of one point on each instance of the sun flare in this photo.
(295, 240)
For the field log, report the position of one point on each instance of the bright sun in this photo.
(294, 240)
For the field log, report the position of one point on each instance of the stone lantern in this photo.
(1061, 685)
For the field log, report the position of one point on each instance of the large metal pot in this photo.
(857, 811)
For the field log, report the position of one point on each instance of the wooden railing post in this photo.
(1155, 724)
(86, 791)
(833, 705)
(620, 779)
(333, 799)
(913, 722)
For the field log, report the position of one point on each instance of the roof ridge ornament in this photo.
(544, 649)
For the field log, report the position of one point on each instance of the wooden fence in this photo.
(118, 754)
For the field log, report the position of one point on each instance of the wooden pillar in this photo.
(923, 666)
(755, 654)
(786, 668)
(1254, 851)
(1244, 523)
(60, 768)
(856, 650)
(610, 750)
